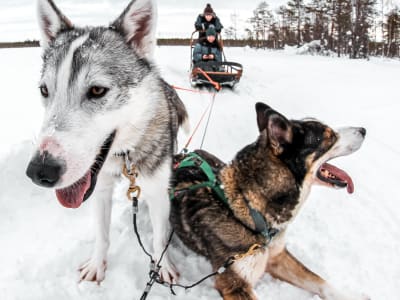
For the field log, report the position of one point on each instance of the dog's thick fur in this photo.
(103, 99)
(273, 176)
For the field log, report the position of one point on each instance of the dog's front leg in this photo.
(158, 202)
(94, 268)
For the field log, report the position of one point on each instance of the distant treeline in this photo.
(375, 48)
(25, 44)
(356, 28)
(186, 42)
(160, 42)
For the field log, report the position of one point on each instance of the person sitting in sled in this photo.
(207, 49)
(205, 20)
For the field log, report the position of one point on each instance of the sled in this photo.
(214, 73)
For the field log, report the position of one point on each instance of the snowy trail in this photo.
(351, 240)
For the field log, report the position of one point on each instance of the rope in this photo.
(191, 90)
(154, 268)
(208, 121)
(216, 85)
(165, 249)
(135, 211)
(211, 104)
(197, 126)
(222, 269)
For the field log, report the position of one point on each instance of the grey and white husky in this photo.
(104, 98)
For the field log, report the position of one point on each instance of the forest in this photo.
(353, 28)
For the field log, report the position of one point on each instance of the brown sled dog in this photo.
(253, 199)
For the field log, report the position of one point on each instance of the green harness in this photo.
(192, 159)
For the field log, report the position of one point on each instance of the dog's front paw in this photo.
(168, 271)
(92, 271)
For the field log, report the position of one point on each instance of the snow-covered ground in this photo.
(351, 240)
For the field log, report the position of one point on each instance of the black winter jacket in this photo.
(201, 24)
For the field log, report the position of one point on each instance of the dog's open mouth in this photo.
(335, 177)
(73, 195)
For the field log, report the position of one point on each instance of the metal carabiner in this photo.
(131, 190)
(249, 252)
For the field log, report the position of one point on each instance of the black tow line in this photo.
(154, 274)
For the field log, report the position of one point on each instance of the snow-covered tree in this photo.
(261, 22)
(362, 15)
(392, 32)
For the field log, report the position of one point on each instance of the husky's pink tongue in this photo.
(342, 175)
(72, 196)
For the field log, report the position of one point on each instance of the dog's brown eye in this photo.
(97, 92)
(44, 91)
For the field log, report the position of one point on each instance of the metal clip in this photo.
(154, 267)
(221, 270)
(147, 289)
(135, 206)
(249, 252)
(130, 173)
(133, 192)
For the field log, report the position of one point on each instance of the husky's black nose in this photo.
(363, 131)
(45, 170)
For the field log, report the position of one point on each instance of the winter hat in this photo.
(211, 31)
(208, 9)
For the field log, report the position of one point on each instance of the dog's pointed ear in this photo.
(51, 21)
(279, 132)
(277, 128)
(261, 110)
(137, 24)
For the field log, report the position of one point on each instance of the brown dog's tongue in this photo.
(342, 175)
(72, 196)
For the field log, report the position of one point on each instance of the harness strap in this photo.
(259, 221)
(261, 224)
(194, 160)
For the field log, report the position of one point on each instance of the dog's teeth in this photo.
(325, 173)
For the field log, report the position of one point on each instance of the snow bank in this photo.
(351, 240)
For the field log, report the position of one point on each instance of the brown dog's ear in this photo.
(278, 129)
(279, 132)
(262, 120)
(51, 21)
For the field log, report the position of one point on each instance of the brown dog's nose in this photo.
(363, 131)
(45, 170)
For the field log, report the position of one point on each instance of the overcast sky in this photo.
(175, 17)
